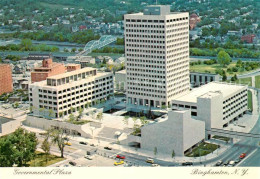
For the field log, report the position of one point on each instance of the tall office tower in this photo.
(157, 52)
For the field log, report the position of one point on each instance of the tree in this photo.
(71, 117)
(173, 153)
(17, 148)
(16, 104)
(51, 113)
(46, 147)
(80, 113)
(58, 137)
(155, 151)
(223, 58)
(100, 116)
(26, 44)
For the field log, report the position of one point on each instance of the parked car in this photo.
(89, 157)
(83, 143)
(108, 148)
(187, 164)
(149, 160)
(231, 163)
(119, 163)
(243, 155)
(120, 156)
(226, 163)
(219, 163)
(67, 143)
(92, 145)
(155, 165)
(237, 160)
(72, 163)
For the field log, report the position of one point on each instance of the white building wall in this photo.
(179, 132)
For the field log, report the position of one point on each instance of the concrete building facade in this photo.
(47, 69)
(6, 82)
(69, 90)
(217, 104)
(178, 133)
(157, 55)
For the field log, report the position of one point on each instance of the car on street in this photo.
(226, 163)
(219, 163)
(119, 163)
(67, 143)
(83, 143)
(149, 160)
(187, 164)
(237, 160)
(243, 155)
(108, 148)
(72, 163)
(120, 156)
(66, 138)
(231, 163)
(89, 157)
(92, 145)
(155, 165)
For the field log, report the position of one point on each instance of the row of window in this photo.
(144, 36)
(176, 24)
(145, 61)
(145, 41)
(180, 90)
(178, 54)
(177, 34)
(145, 31)
(238, 109)
(146, 94)
(229, 99)
(178, 39)
(145, 70)
(144, 56)
(144, 26)
(145, 51)
(144, 20)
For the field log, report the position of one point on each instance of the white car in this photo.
(89, 157)
(155, 165)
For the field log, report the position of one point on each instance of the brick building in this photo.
(47, 69)
(72, 67)
(194, 19)
(248, 38)
(6, 82)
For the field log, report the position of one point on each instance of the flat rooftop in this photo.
(5, 120)
(210, 88)
(75, 72)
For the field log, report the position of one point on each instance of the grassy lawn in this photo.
(221, 138)
(249, 100)
(203, 68)
(245, 81)
(202, 149)
(257, 81)
(40, 160)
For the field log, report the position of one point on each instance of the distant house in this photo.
(194, 19)
(66, 22)
(82, 27)
(248, 38)
(235, 33)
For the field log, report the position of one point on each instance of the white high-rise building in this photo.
(157, 52)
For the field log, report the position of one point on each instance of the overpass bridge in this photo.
(232, 134)
(97, 44)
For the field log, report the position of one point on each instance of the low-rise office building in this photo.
(69, 90)
(218, 104)
(198, 79)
